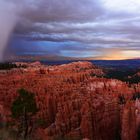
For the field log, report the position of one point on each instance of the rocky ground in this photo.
(74, 100)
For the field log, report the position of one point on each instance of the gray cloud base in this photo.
(86, 22)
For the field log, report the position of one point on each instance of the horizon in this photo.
(29, 57)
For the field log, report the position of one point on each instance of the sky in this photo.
(101, 29)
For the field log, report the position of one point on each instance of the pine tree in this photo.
(23, 109)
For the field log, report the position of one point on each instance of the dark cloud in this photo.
(94, 25)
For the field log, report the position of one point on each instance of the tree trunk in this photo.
(25, 124)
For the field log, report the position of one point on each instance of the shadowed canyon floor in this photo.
(75, 101)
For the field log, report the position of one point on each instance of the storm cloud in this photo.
(70, 27)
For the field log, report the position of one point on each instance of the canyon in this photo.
(75, 100)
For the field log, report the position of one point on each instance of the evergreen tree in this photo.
(23, 109)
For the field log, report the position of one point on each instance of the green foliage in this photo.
(93, 75)
(23, 108)
(135, 79)
(24, 102)
(7, 66)
(123, 74)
